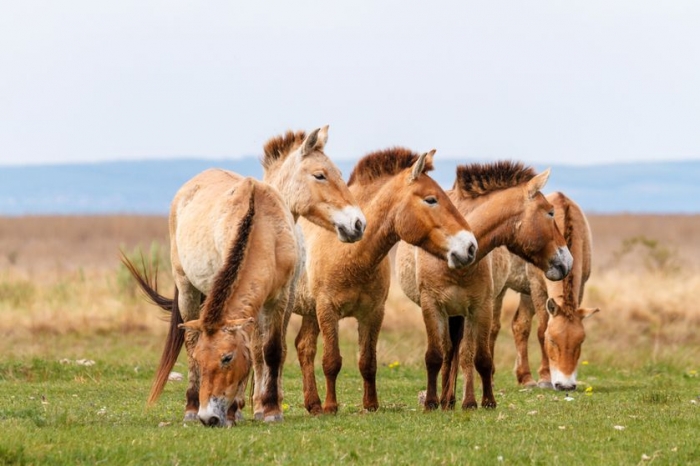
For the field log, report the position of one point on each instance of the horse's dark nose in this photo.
(212, 421)
(566, 388)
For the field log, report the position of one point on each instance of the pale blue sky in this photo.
(542, 81)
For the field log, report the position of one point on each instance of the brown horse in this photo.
(352, 280)
(503, 203)
(200, 228)
(561, 332)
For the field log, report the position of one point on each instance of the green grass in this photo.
(54, 413)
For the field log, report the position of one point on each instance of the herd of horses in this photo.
(246, 254)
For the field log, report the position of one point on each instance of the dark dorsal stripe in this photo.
(477, 179)
(225, 281)
(279, 147)
(387, 162)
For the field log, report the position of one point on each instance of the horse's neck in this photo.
(280, 178)
(492, 217)
(376, 202)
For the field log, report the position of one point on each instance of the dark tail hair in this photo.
(176, 335)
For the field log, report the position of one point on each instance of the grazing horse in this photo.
(200, 222)
(561, 332)
(352, 280)
(503, 204)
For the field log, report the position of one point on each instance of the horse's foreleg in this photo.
(467, 353)
(188, 302)
(483, 360)
(438, 340)
(368, 332)
(306, 351)
(332, 360)
(521, 325)
(273, 352)
(450, 362)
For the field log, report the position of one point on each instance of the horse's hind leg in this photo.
(368, 332)
(188, 303)
(306, 342)
(332, 362)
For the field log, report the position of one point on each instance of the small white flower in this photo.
(175, 377)
(619, 427)
(562, 427)
(500, 458)
(532, 413)
(85, 362)
(102, 411)
(569, 398)
(645, 457)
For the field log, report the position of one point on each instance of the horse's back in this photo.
(204, 217)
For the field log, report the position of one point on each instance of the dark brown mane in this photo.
(570, 298)
(279, 147)
(387, 162)
(225, 281)
(477, 179)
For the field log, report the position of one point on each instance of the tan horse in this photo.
(200, 227)
(352, 280)
(561, 332)
(504, 205)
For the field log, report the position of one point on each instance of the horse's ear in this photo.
(192, 326)
(233, 325)
(587, 312)
(552, 307)
(419, 165)
(315, 141)
(537, 183)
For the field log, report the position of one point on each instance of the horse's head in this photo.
(426, 217)
(312, 185)
(562, 341)
(537, 237)
(224, 359)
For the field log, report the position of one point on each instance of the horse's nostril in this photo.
(557, 386)
(472, 250)
(213, 421)
(358, 225)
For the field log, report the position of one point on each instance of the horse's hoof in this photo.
(315, 410)
(259, 416)
(469, 405)
(490, 404)
(274, 418)
(191, 416)
(545, 384)
(530, 384)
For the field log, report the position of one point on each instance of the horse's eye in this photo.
(551, 213)
(226, 359)
(430, 200)
(320, 176)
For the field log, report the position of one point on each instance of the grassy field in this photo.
(65, 303)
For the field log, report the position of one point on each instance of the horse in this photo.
(557, 304)
(503, 204)
(352, 280)
(200, 222)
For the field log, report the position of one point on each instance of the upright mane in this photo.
(278, 148)
(387, 162)
(477, 179)
(570, 298)
(226, 278)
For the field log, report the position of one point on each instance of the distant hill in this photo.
(146, 187)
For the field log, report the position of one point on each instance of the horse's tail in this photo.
(144, 281)
(456, 326)
(176, 335)
(171, 351)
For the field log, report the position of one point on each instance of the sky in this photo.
(573, 82)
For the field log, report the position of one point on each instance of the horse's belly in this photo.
(200, 261)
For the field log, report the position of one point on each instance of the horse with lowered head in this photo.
(557, 304)
(300, 180)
